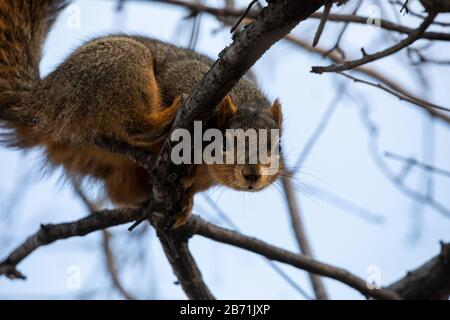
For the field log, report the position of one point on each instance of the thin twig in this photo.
(323, 22)
(301, 236)
(417, 163)
(374, 74)
(342, 32)
(244, 15)
(419, 103)
(111, 266)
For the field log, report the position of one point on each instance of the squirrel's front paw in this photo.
(185, 213)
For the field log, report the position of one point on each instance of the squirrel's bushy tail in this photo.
(24, 25)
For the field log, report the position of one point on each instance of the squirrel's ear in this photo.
(275, 110)
(225, 111)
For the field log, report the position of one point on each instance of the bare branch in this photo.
(301, 236)
(111, 266)
(384, 24)
(176, 243)
(374, 74)
(197, 225)
(417, 163)
(347, 18)
(342, 32)
(413, 37)
(244, 15)
(50, 233)
(323, 22)
(271, 25)
(429, 281)
(420, 103)
(184, 265)
(373, 132)
(292, 202)
(226, 13)
(230, 224)
(110, 261)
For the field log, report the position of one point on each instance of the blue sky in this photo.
(339, 166)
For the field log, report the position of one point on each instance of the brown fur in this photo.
(121, 87)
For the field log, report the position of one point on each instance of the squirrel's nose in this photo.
(251, 177)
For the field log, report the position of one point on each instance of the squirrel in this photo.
(127, 88)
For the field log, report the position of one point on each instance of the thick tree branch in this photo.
(271, 25)
(184, 266)
(436, 5)
(429, 281)
(334, 57)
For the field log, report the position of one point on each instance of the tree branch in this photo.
(300, 235)
(410, 287)
(175, 246)
(323, 22)
(429, 281)
(110, 260)
(227, 13)
(419, 103)
(184, 266)
(271, 25)
(347, 18)
(50, 233)
(111, 266)
(413, 37)
(197, 225)
(374, 74)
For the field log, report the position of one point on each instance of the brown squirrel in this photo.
(124, 87)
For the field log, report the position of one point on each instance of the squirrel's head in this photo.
(252, 168)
